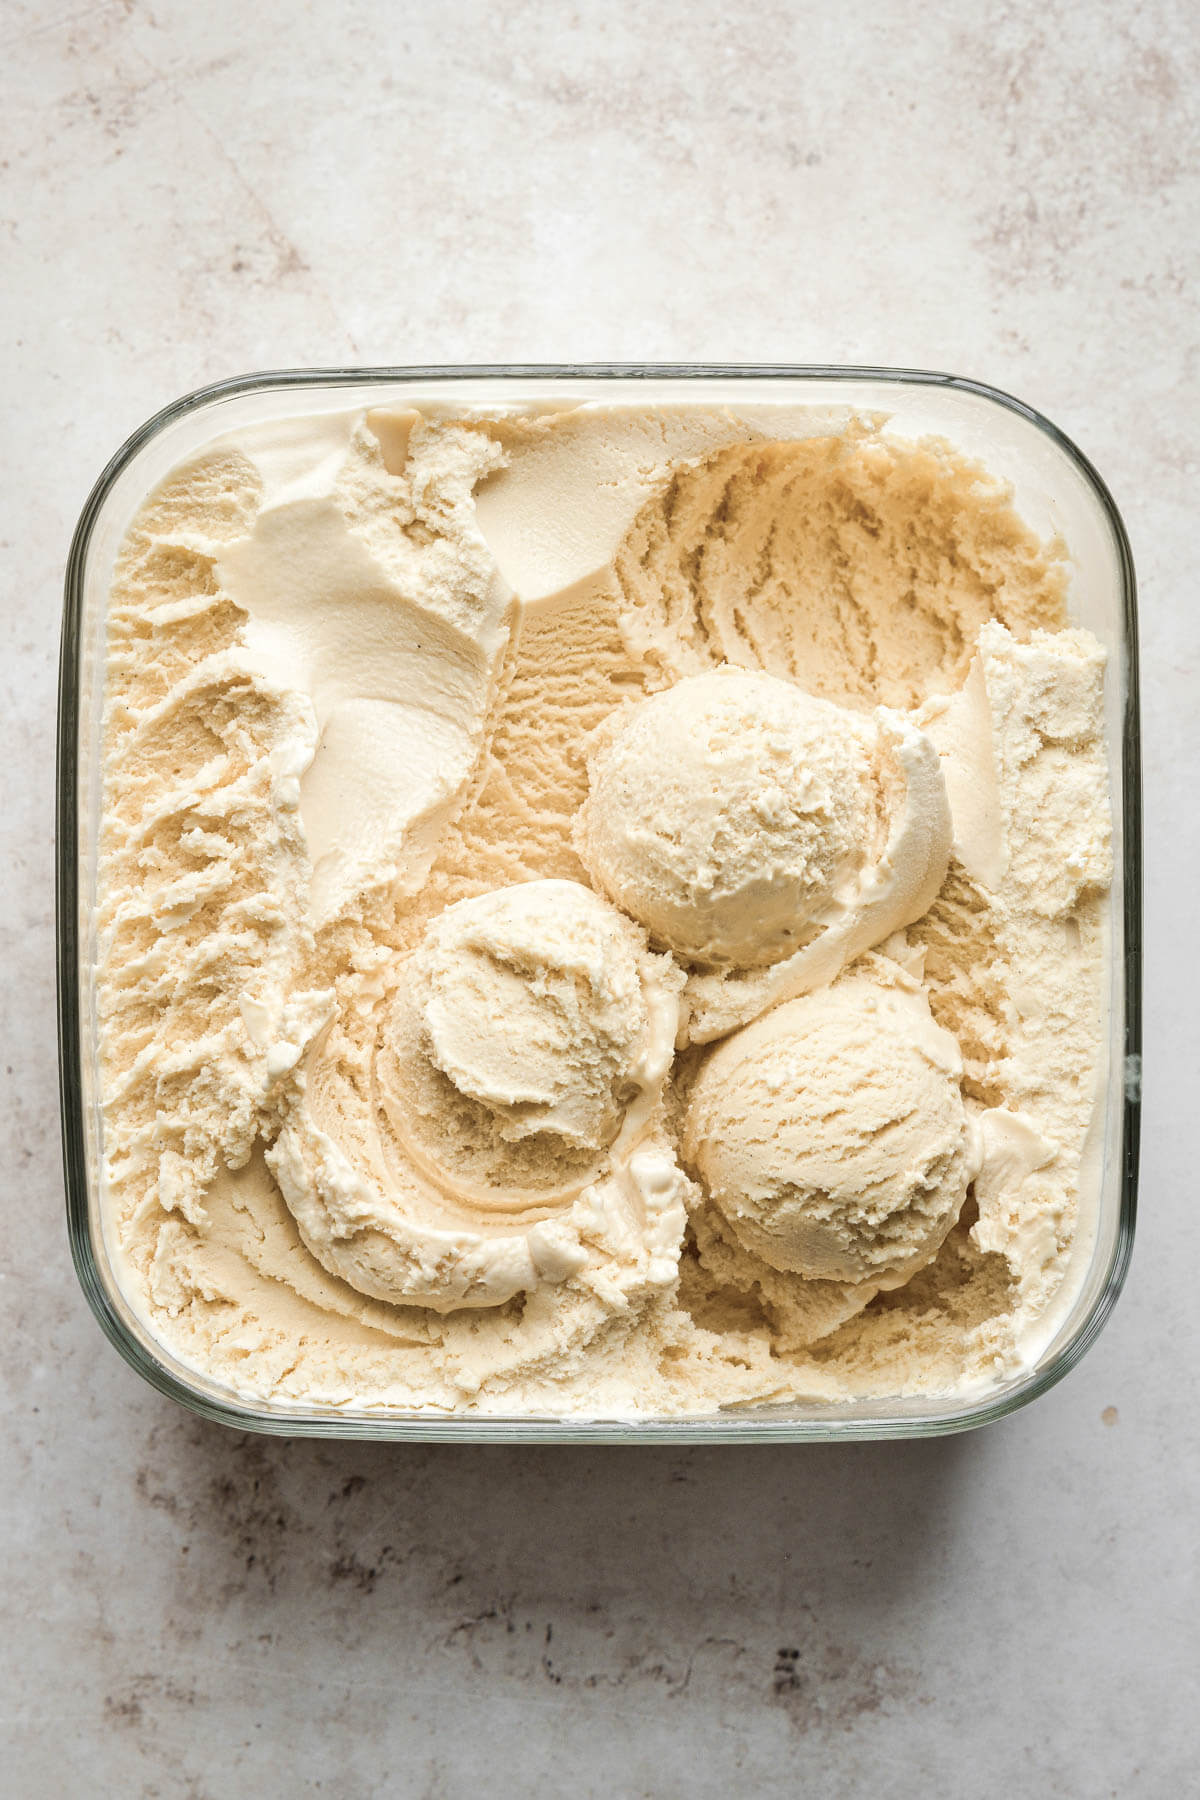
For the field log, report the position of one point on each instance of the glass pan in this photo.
(1055, 488)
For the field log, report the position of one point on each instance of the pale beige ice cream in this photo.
(506, 1128)
(748, 824)
(425, 980)
(831, 1133)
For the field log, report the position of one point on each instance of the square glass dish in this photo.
(1055, 490)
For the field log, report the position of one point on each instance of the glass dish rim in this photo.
(732, 1427)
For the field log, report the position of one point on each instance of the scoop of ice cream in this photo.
(831, 1133)
(762, 834)
(520, 1035)
(505, 1127)
(728, 813)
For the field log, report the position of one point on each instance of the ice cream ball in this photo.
(831, 1133)
(730, 814)
(530, 1001)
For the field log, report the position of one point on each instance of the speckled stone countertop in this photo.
(190, 192)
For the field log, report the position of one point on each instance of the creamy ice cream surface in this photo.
(752, 826)
(832, 1135)
(600, 913)
(497, 1130)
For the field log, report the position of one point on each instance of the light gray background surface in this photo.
(191, 191)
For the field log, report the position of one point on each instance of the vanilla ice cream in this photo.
(503, 1117)
(832, 1134)
(745, 823)
(600, 913)
(530, 1001)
